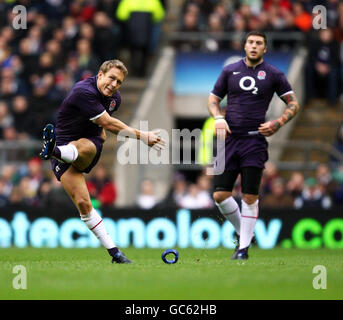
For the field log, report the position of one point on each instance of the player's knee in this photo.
(249, 198)
(220, 196)
(85, 148)
(83, 204)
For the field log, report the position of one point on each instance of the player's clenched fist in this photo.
(221, 127)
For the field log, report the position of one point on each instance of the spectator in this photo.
(146, 198)
(108, 6)
(302, 19)
(107, 40)
(63, 82)
(55, 10)
(284, 4)
(335, 162)
(34, 36)
(177, 191)
(332, 7)
(9, 134)
(202, 9)
(278, 197)
(86, 31)
(254, 5)
(5, 50)
(101, 187)
(270, 174)
(325, 179)
(52, 195)
(312, 196)
(190, 23)
(54, 48)
(82, 11)
(194, 199)
(323, 67)
(204, 184)
(338, 195)
(295, 184)
(224, 10)
(35, 174)
(215, 41)
(10, 85)
(42, 86)
(17, 197)
(6, 179)
(239, 25)
(72, 68)
(24, 193)
(28, 59)
(4, 199)
(140, 18)
(6, 119)
(68, 34)
(87, 60)
(337, 175)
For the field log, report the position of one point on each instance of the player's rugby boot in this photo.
(234, 256)
(120, 257)
(242, 254)
(49, 142)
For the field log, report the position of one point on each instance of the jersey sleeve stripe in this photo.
(98, 116)
(288, 92)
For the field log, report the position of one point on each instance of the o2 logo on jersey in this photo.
(248, 84)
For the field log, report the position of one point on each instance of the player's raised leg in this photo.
(74, 184)
(66, 154)
(49, 142)
(80, 154)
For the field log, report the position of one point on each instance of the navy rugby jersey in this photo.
(80, 108)
(249, 91)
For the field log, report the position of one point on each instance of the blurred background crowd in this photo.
(66, 41)
(31, 185)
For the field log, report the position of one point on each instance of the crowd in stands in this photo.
(240, 16)
(63, 42)
(323, 189)
(66, 41)
(226, 22)
(32, 185)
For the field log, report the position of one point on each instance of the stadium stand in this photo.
(66, 40)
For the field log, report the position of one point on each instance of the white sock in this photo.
(230, 210)
(69, 153)
(96, 225)
(248, 222)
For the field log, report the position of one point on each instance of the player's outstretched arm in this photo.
(151, 138)
(221, 126)
(269, 128)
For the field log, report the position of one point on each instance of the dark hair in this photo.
(256, 33)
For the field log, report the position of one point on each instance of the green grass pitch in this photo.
(206, 274)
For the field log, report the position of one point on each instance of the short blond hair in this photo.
(109, 64)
